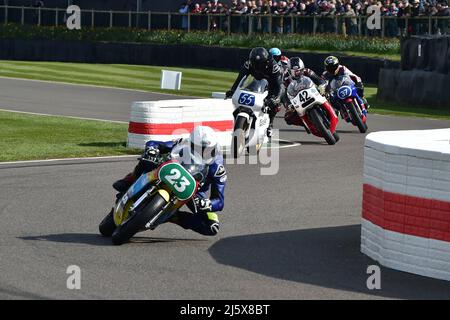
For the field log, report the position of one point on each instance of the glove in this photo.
(203, 205)
(322, 88)
(229, 94)
(270, 104)
(265, 109)
(151, 154)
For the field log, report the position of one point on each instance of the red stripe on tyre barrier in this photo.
(169, 128)
(426, 218)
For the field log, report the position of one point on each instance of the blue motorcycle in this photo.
(344, 98)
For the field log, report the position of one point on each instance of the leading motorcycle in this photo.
(154, 197)
(250, 123)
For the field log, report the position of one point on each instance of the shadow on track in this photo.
(98, 240)
(328, 257)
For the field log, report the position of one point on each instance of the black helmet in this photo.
(331, 64)
(259, 58)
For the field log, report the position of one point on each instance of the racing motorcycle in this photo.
(344, 97)
(250, 123)
(308, 108)
(154, 197)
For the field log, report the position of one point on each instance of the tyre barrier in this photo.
(406, 201)
(167, 120)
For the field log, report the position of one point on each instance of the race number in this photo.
(246, 99)
(344, 92)
(178, 179)
(303, 96)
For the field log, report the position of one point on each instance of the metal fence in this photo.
(246, 24)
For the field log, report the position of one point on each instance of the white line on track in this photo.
(293, 144)
(93, 86)
(67, 160)
(57, 115)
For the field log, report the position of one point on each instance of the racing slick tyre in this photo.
(238, 143)
(107, 226)
(318, 122)
(357, 117)
(336, 136)
(138, 220)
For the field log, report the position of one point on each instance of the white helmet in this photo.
(296, 66)
(203, 143)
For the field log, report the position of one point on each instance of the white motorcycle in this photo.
(250, 123)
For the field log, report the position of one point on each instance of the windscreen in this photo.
(340, 81)
(255, 86)
(298, 85)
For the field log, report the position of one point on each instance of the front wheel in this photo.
(238, 143)
(319, 124)
(107, 226)
(357, 117)
(135, 223)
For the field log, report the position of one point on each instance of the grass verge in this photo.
(195, 82)
(388, 108)
(32, 137)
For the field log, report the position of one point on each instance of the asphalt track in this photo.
(294, 235)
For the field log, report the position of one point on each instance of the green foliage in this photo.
(322, 42)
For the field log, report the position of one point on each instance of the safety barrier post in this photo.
(189, 22)
(149, 21)
(292, 23)
(110, 19)
(429, 25)
(314, 25)
(270, 24)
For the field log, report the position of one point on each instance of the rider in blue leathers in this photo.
(202, 218)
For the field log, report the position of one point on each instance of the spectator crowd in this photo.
(348, 11)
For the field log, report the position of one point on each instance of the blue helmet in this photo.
(275, 52)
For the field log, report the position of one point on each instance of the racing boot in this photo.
(124, 184)
(366, 103)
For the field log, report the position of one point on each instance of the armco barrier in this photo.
(406, 201)
(166, 120)
(176, 55)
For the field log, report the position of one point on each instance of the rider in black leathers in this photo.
(262, 66)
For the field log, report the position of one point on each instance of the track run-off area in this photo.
(293, 235)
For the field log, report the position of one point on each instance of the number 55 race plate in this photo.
(178, 179)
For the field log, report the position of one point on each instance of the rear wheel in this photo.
(238, 144)
(357, 117)
(318, 122)
(127, 230)
(107, 226)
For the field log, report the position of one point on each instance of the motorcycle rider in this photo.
(334, 69)
(297, 71)
(275, 53)
(283, 61)
(201, 148)
(261, 65)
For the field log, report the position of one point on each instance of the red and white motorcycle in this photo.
(308, 108)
